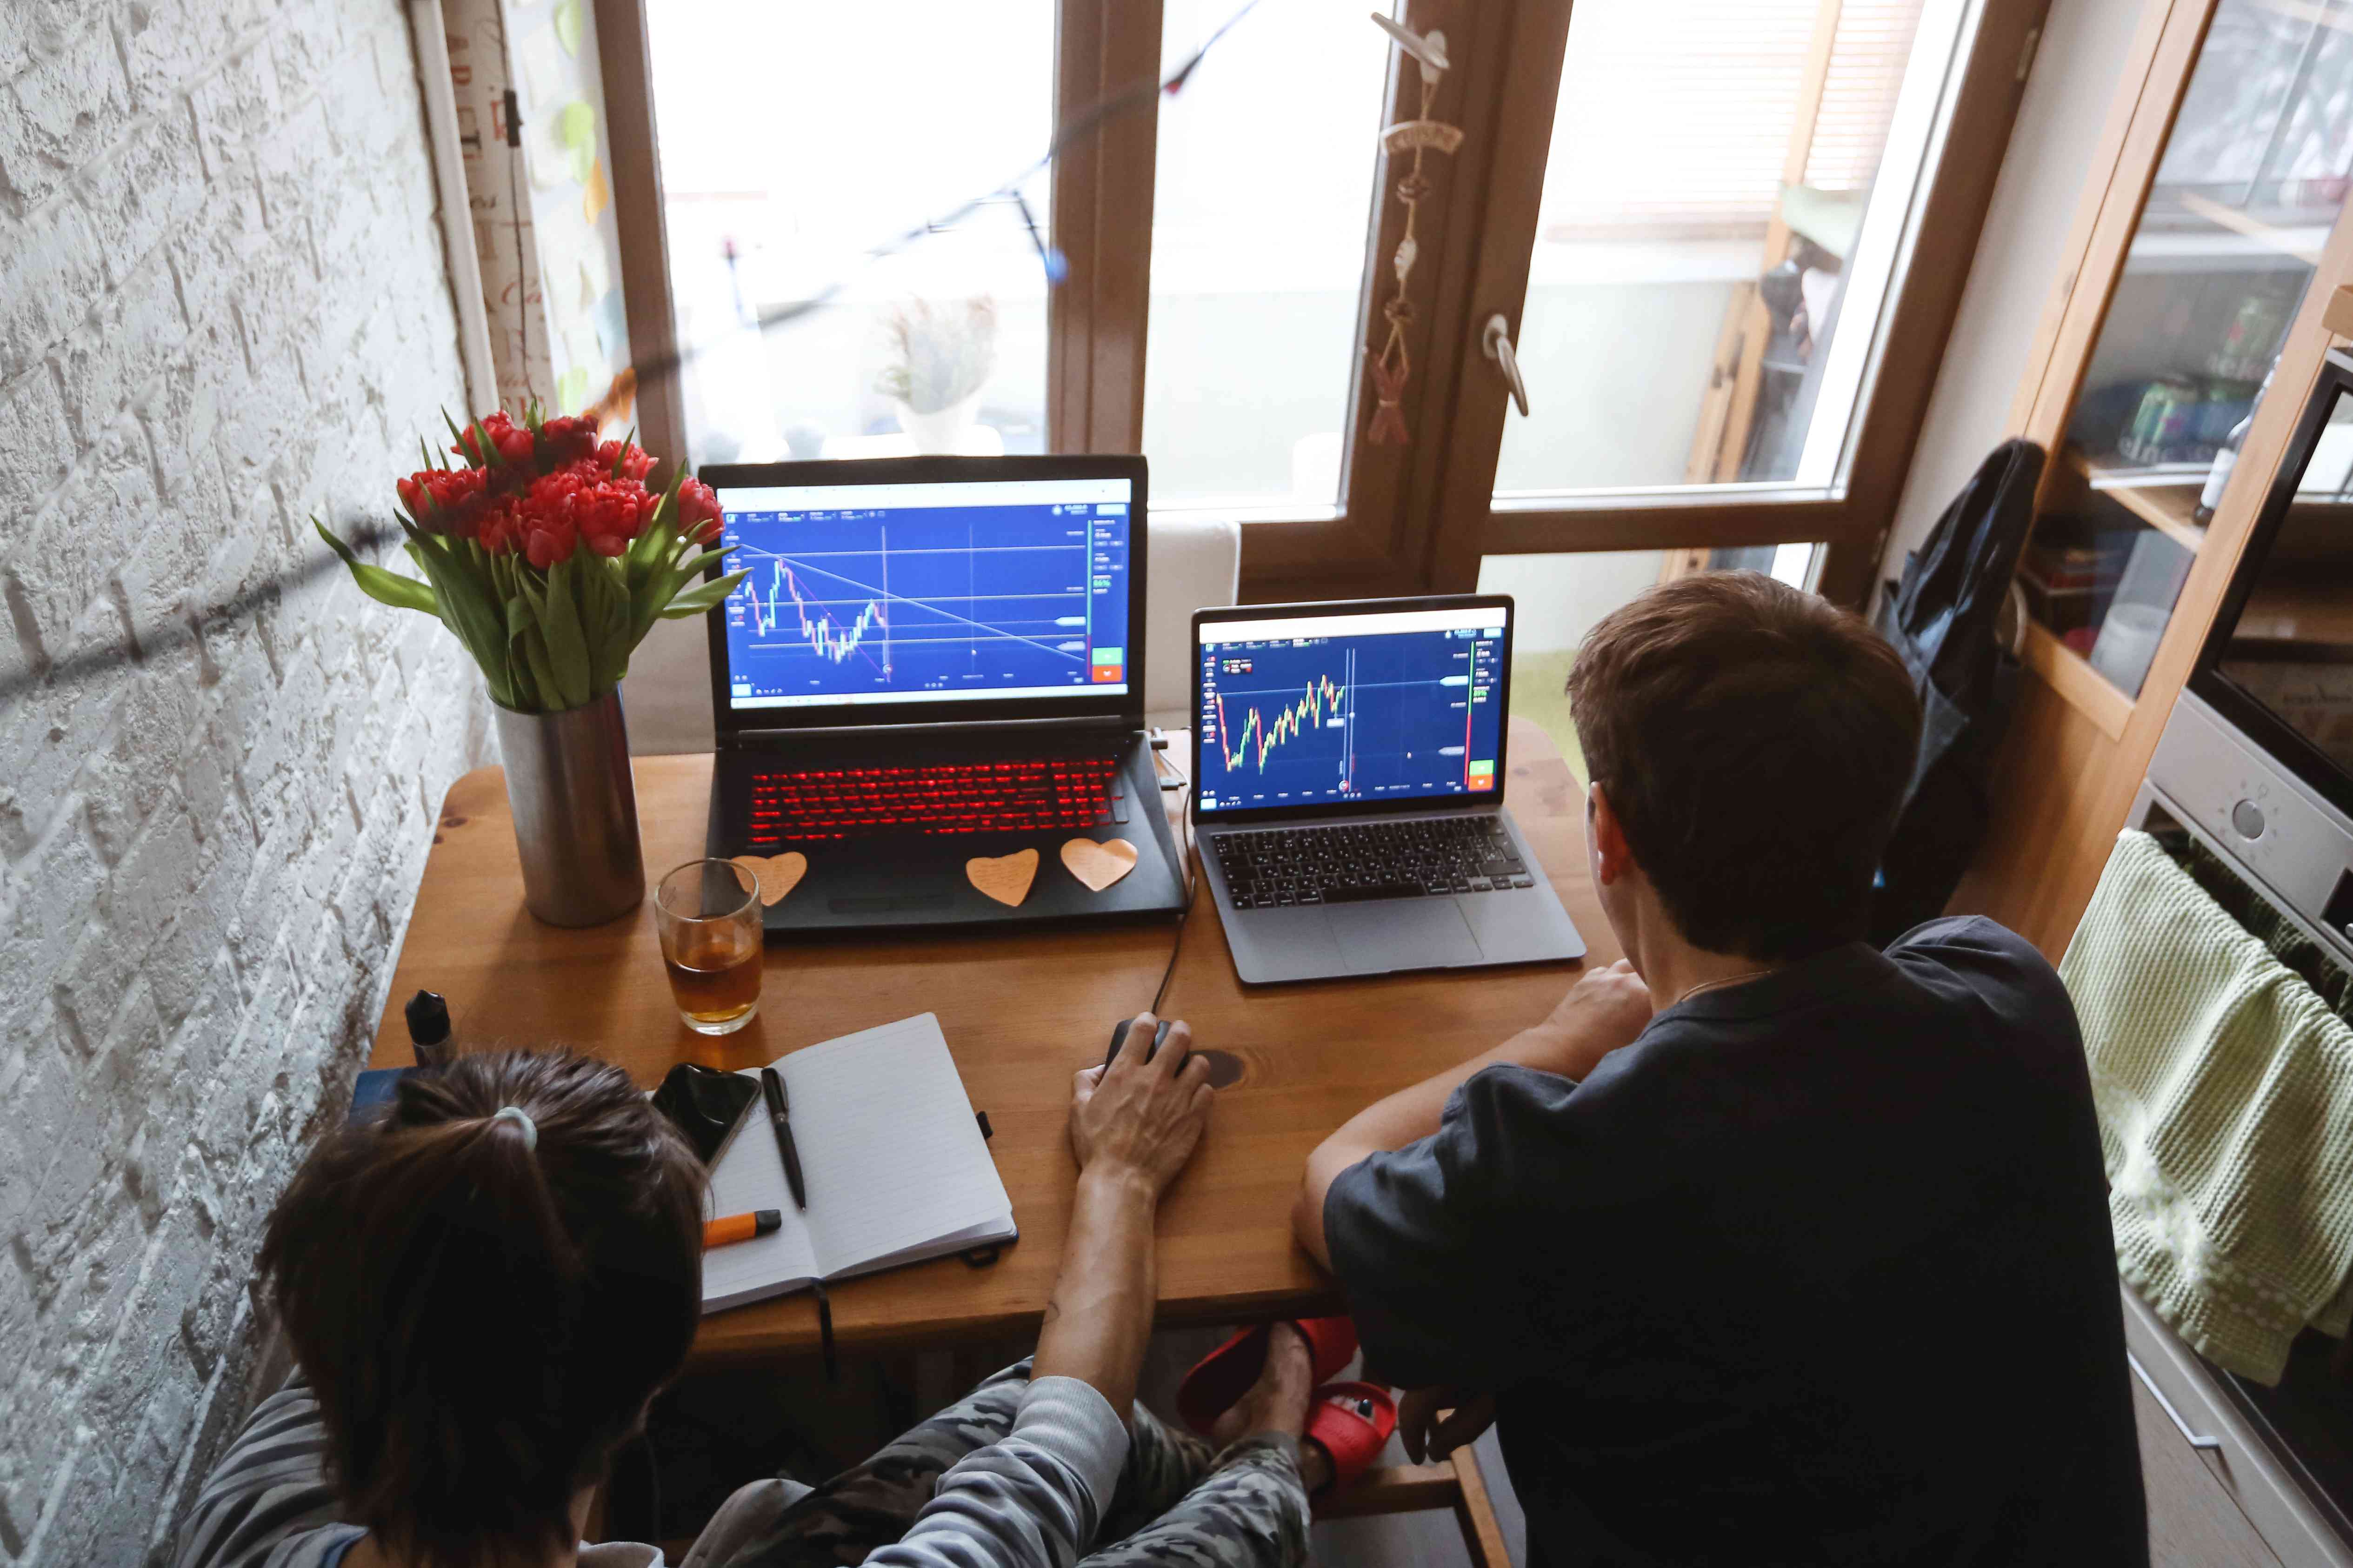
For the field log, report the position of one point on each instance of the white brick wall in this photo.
(223, 307)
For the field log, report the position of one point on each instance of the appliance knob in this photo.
(2247, 818)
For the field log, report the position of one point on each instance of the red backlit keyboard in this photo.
(977, 798)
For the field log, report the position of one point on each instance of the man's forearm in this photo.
(1403, 1118)
(1414, 1113)
(1100, 1314)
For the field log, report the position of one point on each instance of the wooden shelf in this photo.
(2338, 315)
(2306, 606)
(2078, 748)
(2297, 242)
(2165, 500)
(2083, 689)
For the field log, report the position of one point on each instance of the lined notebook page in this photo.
(751, 1175)
(894, 1163)
(893, 1158)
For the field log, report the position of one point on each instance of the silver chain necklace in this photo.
(1718, 984)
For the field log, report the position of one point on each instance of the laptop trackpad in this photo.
(865, 893)
(1402, 933)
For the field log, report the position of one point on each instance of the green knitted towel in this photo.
(2225, 1094)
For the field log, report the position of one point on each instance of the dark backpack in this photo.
(1942, 617)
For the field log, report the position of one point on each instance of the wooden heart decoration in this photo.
(778, 874)
(1005, 878)
(1099, 865)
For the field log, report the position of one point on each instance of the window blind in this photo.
(1675, 117)
(1873, 45)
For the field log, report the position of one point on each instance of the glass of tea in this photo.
(707, 915)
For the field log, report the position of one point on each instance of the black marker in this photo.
(779, 1112)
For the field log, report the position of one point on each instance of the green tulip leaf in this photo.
(470, 610)
(542, 672)
(385, 587)
(472, 456)
(567, 645)
(700, 601)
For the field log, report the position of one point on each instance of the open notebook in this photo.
(895, 1166)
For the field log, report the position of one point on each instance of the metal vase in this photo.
(576, 812)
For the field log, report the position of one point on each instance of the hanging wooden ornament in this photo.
(1391, 364)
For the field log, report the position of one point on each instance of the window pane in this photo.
(1723, 217)
(1558, 599)
(794, 139)
(1260, 219)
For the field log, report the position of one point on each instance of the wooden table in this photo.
(1021, 1013)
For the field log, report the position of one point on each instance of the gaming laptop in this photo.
(936, 659)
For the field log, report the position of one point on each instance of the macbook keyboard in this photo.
(793, 807)
(1268, 868)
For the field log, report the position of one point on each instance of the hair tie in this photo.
(530, 1128)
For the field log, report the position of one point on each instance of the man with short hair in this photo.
(1810, 1265)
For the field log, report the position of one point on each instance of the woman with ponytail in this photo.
(486, 1284)
(485, 1287)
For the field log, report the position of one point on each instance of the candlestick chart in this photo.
(1255, 738)
(1301, 721)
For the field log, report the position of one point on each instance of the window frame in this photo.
(1417, 518)
(1098, 317)
(1376, 540)
(624, 60)
(1854, 525)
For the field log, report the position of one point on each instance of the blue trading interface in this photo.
(1338, 709)
(926, 593)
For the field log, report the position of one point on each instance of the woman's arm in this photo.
(1099, 1313)
(1133, 1126)
(1035, 1499)
(268, 1492)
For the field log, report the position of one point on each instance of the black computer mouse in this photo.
(1119, 1034)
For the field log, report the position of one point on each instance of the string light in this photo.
(367, 537)
(1056, 267)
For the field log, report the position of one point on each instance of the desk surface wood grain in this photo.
(1022, 1014)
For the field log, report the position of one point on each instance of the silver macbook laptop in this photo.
(1348, 763)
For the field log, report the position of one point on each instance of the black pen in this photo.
(779, 1114)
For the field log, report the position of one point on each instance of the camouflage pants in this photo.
(1178, 1502)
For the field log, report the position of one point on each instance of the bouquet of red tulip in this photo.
(547, 555)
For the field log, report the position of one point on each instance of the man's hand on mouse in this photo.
(1138, 1116)
(1605, 1010)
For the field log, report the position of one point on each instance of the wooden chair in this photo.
(1453, 1483)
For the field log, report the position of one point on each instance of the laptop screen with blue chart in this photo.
(883, 594)
(1325, 709)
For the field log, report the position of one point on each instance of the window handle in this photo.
(2192, 1438)
(1495, 343)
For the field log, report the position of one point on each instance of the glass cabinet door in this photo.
(2287, 649)
(2258, 165)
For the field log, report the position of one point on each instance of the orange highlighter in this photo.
(738, 1227)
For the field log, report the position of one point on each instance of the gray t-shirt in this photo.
(1033, 1500)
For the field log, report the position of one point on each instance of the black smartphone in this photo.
(706, 1105)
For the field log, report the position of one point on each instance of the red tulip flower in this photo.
(698, 512)
(569, 439)
(631, 462)
(507, 530)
